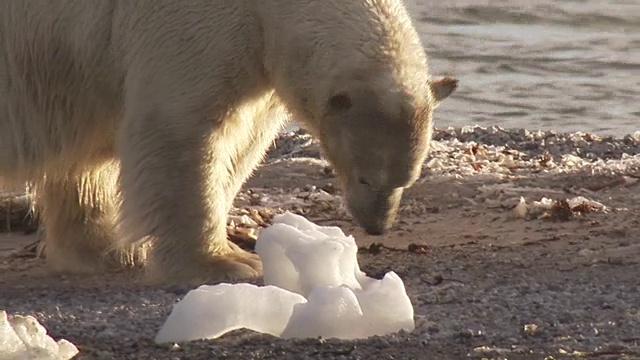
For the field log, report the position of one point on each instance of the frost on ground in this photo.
(313, 288)
(23, 337)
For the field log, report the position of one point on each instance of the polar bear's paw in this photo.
(233, 265)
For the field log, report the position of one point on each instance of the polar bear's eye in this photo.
(340, 102)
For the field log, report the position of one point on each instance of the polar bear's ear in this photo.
(442, 87)
(340, 102)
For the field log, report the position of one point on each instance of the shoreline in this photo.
(291, 144)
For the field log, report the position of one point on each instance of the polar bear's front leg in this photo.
(254, 126)
(176, 171)
(79, 212)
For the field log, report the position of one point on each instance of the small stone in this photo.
(530, 329)
(520, 211)
(585, 252)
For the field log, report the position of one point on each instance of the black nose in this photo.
(363, 181)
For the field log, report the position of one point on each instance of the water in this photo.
(565, 65)
(562, 65)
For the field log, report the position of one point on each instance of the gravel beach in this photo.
(556, 280)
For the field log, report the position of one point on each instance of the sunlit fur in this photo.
(140, 120)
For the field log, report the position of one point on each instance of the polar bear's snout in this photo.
(373, 209)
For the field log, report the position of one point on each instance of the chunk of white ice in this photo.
(381, 308)
(213, 310)
(23, 337)
(313, 287)
(298, 255)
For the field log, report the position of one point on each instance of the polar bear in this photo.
(140, 120)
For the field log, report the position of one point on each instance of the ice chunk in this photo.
(340, 312)
(298, 255)
(11, 346)
(299, 222)
(386, 307)
(314, 287)
(520, 211)
(24, 337)
(210, 311)
(330, 312)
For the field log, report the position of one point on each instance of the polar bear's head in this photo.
(375, 130)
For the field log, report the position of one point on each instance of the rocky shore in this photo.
(514, 244)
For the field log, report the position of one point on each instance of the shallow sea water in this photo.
(562, 65)
(566, 65)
